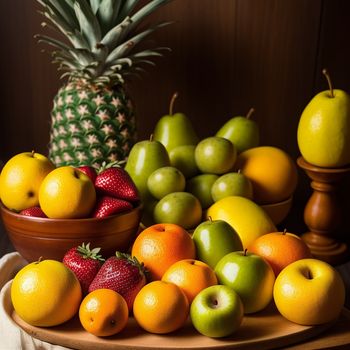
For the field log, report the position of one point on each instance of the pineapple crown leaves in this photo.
(88, 253)
(102, 35)
(133, 261)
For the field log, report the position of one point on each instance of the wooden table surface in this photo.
(337, 337)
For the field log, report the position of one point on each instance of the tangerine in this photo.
(161, 245)
(161, 307)
(103, 312)
(280, 249)
(273, 174)
(192, 276)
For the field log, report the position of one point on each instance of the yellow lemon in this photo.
(247, 218)
(309, 292)
(46, 293)
(21, 178)
(67, 193)
(273, 173)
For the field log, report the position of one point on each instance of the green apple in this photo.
(200, 186)
(232, 184)
(179, 208)
(250, 276)
(182, 158)
(144, 158)
(175, 129)
(243, 132)
(215, 239)
(215, 155)
(165, 180)
(324, 129)
(217, 311)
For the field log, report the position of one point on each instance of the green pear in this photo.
(214, 239)
(182, 158)
(144, 158)
(324, 129)
(175, 129)
(243, 132)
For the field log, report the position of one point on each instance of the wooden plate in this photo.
(264, 330)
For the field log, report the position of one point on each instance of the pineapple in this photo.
(92, 120)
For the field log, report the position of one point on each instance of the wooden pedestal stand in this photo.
(323, 213)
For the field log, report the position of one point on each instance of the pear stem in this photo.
(250, 112)
(245, 252)
(210, 219)
(284, 231)
(172, 101)
(151, 137)
(33, 152)
(326, 74)
(239, 171)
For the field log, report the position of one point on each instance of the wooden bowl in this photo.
(278, 211)
(36, 237)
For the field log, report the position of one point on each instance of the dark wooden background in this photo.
(227, 56)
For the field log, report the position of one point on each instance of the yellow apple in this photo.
(309, 292)
(67, 193)
(21, 178)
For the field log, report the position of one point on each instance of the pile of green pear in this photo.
(179, 176)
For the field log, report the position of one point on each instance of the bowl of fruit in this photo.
(46, 210)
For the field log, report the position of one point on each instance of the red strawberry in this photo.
(85, 264)
(33, 211)
(123, 274)
(112, 180)
(89, 171)
(106, 206)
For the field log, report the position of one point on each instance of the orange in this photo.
(272, 172)
(191, 276)
(161, 307)
(161, 245)
(103, 312)
(280, 249)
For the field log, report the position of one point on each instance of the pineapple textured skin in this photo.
(91, 124)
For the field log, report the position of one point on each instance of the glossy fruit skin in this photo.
(144, 158)
(247, 218)
(161, 307)
(161, 245)
(242, 132)
(165, 180)
(89, 171)
(33, 211)
(67, 193)
(309, 292)
(280, 249)
(215, 155)
(175, 130)
(107, 206)
(191, 276)
(200, 186)
(182, 158)
(85, 264)
(123, 275)
(46, 293)
(232, 184)
(324, 130)
(272, 171)
(215, 239)
(21, 178)
(250, 276)
(217, 311)
(180, 208)
(103, 313)
(116, 182)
